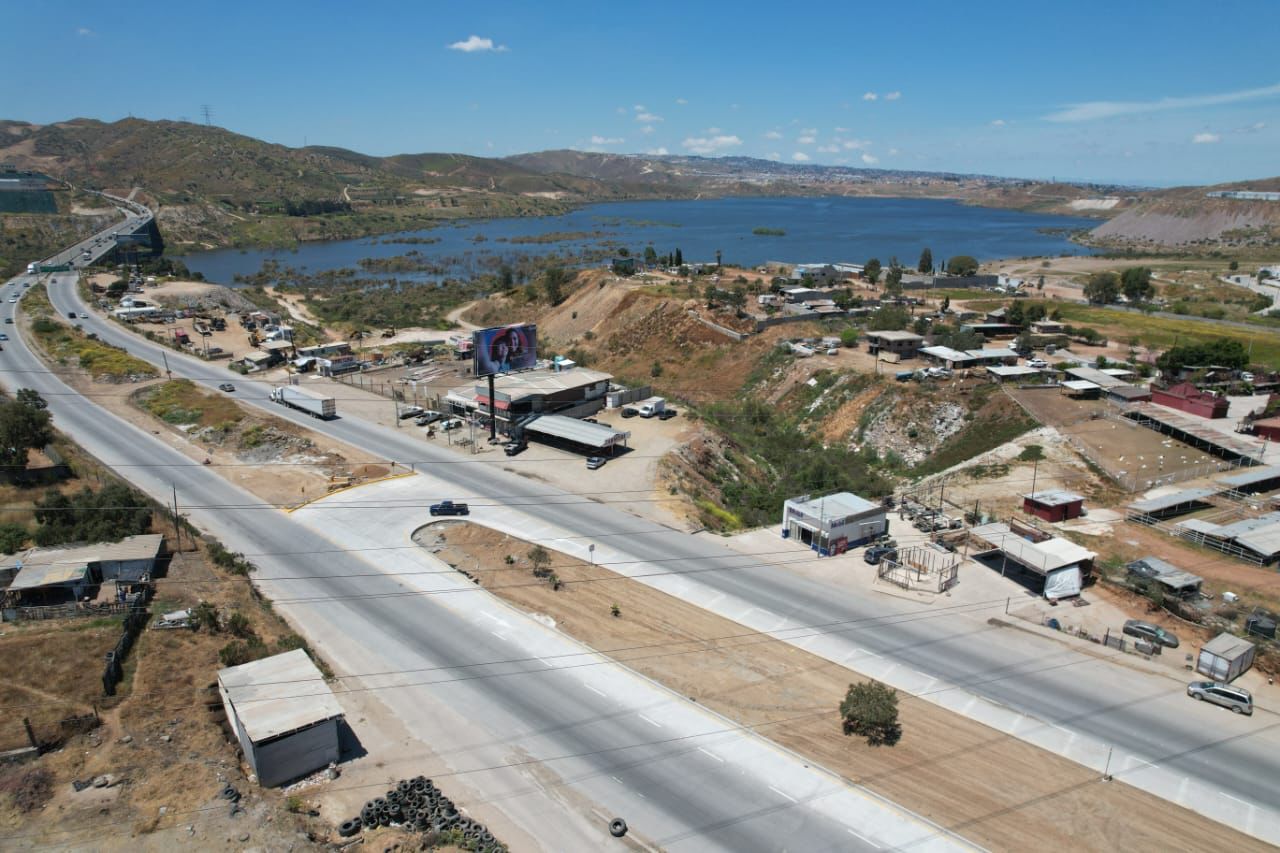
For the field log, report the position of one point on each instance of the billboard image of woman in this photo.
(505, 349)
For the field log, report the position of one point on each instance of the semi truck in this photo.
(652, 407)
(304, 400)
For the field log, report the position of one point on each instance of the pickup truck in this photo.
(450, 508)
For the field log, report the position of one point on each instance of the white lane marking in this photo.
(544, 663)
(783, 794)
(496, 634)
(868, 653)
(863, 838)
(593, 690)
(1237, 799)
(494, 618)
(616, 779)
(649, 721)
(711, 754)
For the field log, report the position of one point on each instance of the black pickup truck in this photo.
(450, 508)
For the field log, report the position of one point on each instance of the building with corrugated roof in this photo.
(833, 523)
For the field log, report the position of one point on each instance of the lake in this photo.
(816, 230)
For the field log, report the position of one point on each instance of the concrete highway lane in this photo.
(557, 752)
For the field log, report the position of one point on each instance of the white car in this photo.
(1038, 363)
(1246, 376)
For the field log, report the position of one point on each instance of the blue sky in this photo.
(1167, 92)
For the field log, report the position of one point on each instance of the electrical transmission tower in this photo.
(207, 112)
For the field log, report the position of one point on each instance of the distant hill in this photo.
(1188, 218)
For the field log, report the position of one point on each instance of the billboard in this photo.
(504, 349)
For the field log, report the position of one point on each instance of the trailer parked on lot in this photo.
(304, 400)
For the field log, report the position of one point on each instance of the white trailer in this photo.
(304, 400)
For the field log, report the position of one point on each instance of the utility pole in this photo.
(1035, 468)
(168, 373)
(177, 529)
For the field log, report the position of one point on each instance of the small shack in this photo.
(1081, 389)
(1174, 580)
(283, 714)
(1054, 505)
(831, 524)
(1225, 657)
(1186, 397)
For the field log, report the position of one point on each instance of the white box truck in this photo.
(304, 400)
(652, 407)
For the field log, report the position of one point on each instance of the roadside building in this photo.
(1172, 579)
(1017, 373)
(258, 360)
(999, 315)
(1101, 378)
(764, 299)
(1054, 505)
(1126, 394)
(1267, 428)
(1225, 657)
(1061, 565)
(112, 570)
(803, 294)
(1079, 389)
(991, 330)
(1186, 397)
(831, 524)
(283, 714)
(577, 393)
(901, 344)
(1048, 327)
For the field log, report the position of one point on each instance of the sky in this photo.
(1127, 91)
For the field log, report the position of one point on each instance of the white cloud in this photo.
(1256, 127)
(773, 155)
(808, 131)
(870, 96)
(998, 123)
(476, 44)
(713, 130)
(800, 157)
(773, 134)
(1205, 138)
(85, 31)
(647, 129)
(639, 108)
(647, 117)
(681, 101)
(855, 144)
(829, 149)
(842, 130)
(607, 140)
(710, 144)
(806, 140)
(1093, 110)
(893, 152)
(657, 152)
(621, 111)
(870, 159)
(893, 96)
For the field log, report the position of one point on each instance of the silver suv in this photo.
(1239, 700)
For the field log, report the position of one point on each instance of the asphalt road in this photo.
(1148, 718)
(736, 793)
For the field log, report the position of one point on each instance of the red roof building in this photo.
(1268, 428)
(1186, 397)
(1054, 505)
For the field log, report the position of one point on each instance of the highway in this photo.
(682, 777)
(1214, 763)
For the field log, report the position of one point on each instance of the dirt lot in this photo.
(942, 768)
(161, 740)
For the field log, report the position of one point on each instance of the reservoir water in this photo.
(816, 230)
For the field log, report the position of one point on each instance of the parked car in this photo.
(410, 412)
(667, 414)
(1147, 631)
(1245, 376)
(1037, 362)
(450, 508)
(514, 447)
(594, 462)
(428, 417)
(452, 424)
(1239, 700)
(228, 387)
(877, 553)
(629, 412)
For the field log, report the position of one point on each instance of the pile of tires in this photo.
(418, 805)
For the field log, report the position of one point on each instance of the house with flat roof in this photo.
(576, 392)
(900, 343)
(48, 576)
(283, 714)
(1054, 505)
(831, 524)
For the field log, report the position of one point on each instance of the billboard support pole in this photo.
(493, 413)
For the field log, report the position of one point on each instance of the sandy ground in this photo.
(942, 766)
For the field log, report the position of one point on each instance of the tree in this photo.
(117, 288)
(506, 278)
(624, 252)
(849, 337)
(655, 369)
(888, 318)
(553, 281)
(1223, 352)
(870, 710)
(1040, 283)
(87, 516)
(650, 256)
(709, 293)
(946, 304)
(539, 559)
(1023, 344)
(1135, 282)
(926, 261)
(962, 265)
(23, 427)
(679, 258)
(737, 299)
(893, 280)
(1033, 311)
(31, 397)
(1014, 315)
(1102, 288)
(12, 536)
(1233, 266)
(871, 270)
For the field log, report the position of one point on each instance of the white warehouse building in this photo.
(832, 524)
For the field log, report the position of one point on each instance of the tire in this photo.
(1236, 709)
(350, 827)
(230, 793)
(617, 827)
(1199, 697)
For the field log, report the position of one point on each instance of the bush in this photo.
(1031, 453)
(12, 537)
(29, 789)
(107, 515)
(238, 625)
(870, 710)
(238, 652)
